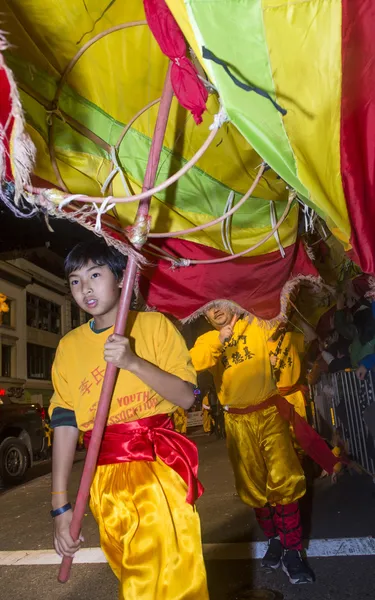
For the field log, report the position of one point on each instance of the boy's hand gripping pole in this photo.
(120, 325)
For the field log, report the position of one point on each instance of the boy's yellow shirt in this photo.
(241, 368)
(79, 366)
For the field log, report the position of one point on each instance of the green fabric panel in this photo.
(196, 192)
(242, 45)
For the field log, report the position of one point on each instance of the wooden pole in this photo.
(120, 325)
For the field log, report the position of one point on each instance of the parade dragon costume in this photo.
(268, 133)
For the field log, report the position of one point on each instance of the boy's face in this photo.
(219, 316)
(95, 289)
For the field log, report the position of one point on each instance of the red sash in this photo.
(144, 440)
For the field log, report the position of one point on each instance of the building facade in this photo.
(41, 311)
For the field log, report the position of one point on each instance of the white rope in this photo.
(309, 217)
(180, 262)
(273, 223)
(183, 262)
(225, 225)
(219, 119)
(68, 200)
(101, 210)
(117, 169)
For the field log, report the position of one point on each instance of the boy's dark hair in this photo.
(99, 253)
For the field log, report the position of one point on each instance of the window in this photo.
(43, 314)
(6, 360)
(75, 316)
(7, 318)
(39, 361)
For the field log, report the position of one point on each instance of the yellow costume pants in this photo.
(265, 465)
(207, 420)
(180, 420)
(148, 532)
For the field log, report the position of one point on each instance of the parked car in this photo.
(22, 438)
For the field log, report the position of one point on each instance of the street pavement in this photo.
(338, 519)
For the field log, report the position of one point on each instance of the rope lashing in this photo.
(117, 169)
(54, 111)
(101, 210)
(137, 234)
(219, 119)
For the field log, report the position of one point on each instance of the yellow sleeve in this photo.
(62, 397)
(299, 341)
(172, 353)
(207, 351)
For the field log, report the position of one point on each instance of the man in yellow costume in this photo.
(208, 422)
(145, 484)
(267, 472)
(180, 420)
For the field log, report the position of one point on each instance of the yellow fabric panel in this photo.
(339, 235)
(56, 28)
(149, 533)
(25, 40)
(178, 9)
(77, 382)
(242, 368)
(265, 465)
(304, 42)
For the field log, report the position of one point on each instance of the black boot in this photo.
(295, 567)
(273, 556)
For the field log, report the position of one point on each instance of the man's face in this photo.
(95, 289)
(219, 316)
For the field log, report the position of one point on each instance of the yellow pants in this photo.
(180, 420)
(207, 420)
(265, 465)
(148, 532)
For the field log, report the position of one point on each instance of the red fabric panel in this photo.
(5, 112)
(358, 126)
(309, 440)
(254, 283)
(189, 89)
